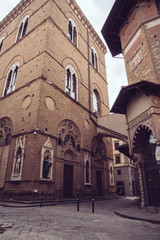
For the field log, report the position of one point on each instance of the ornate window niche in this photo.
(5, 132)
(46, 169)
(87, 169)
(69, 136)
(18, 159)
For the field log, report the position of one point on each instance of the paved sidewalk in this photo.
(132, 211)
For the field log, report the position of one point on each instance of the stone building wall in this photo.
(39, 106)
(139, 43)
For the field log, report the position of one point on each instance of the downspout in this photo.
(89, 81)
(89, 88)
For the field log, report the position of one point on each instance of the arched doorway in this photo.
(144, 143)
(120, 188)
(68, 175)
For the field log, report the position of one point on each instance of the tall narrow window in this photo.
(25, 28)
(72, 32)
(1, 43)
(87, 171)
(87, 168)
(19, 32)
(11, 79)
(96, 102)
(68, 82)
(75, 36)
(22, 30)
(71, 82)
(94, 58)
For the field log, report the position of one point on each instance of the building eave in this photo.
(111, 28)
(128, 92)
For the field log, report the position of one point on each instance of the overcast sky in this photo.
(96, 11)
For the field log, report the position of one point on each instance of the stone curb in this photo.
(136, 218)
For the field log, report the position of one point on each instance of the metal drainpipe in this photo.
(89, 80)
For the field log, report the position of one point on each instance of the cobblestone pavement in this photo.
(63, 222)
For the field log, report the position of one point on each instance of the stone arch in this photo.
(28, 12)
(140, 137)
(17, 59)
(69, 136)
(147, 152)
(98, 148)
(69, 61)
(70, 15)
(95, 86)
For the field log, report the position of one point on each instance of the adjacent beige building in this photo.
(125, 172)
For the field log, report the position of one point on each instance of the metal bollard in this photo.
(92, 202)
(78, 201)
(41, 199)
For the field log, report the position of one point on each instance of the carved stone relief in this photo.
(98, 148)
(69, 136)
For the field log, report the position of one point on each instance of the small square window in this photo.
(116, 144)
(119, 172)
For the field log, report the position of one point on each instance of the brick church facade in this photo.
(52, 89)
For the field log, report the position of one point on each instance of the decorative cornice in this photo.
(77, 10)
(74, 6)
(14, 13)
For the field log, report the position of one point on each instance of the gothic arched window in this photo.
(96, 102)
(94, 58)
(72, 32)
(22, 29)
(71, 85)
(11, 79)
(1, 43)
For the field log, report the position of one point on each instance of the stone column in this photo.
(141, 184)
